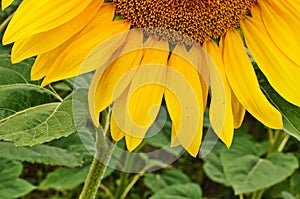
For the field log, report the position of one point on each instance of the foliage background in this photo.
(42, 156)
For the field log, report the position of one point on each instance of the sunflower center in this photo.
(186, 21)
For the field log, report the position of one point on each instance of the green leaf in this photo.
(18, 97)
(287, 195)
(290, 185)
(9, 169)
(247, 172)
(15, 188)
(276, 190)
(9, 76)
(10, 185)
(64, 178)
(44, 123)
(156, 182)
(181, 191)
(40, 154)
(213, 166)
(162, 139)
(295, 183)
(290, 113)
(153, 164)
(262, 147)
(15, 73)
(75, 145)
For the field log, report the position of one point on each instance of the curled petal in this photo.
(69, 63)
(242, 79)
(184, 99)
(282, 73)
(282, 26)
(47, 14)
(6, 3)
(110, 81)
(43, 42)
(145, 94)
(221, 117)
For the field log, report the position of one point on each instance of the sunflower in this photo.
(62, 34)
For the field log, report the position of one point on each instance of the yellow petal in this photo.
(281, 72)
(128, 41)
(41, 65)
(118, 115)
(238, 111)
(116, 133)
(110, 81)
(34, 17)
(68, 64)
(132, 142)
(255, 12)
(6, 3)
(120, 120)
(290, 7)
(184, 100)
(46, 41)
(146, 92)
(45, 61)
(282, 27)
(196, 57)
(242, 79)
(114, 80)
(143, 105)
(221, 115)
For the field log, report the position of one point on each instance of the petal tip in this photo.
(45, 82)
(132, 142)
(192, 152)
(5, 3)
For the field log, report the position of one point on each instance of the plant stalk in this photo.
(130, 185)
(5, 22)
(277, 144)
(104, 150)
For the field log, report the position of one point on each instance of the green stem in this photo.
(271, 138)
(107, 191)
(124, 178)
(125, 175)
(5, 22)
(90, 188)
(241, 196)
(104, 150)
(258, 194)
(283, 142)
(130, 185)
(277, 143)
(55, 93)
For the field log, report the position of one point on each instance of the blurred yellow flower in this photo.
(63, 33)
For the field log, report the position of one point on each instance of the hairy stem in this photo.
(104, 150)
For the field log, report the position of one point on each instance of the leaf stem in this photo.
(55, 93)
(258, 194)
(104, 150)
(107, 191)
(283, 142)
(124, 178)
(277, 144)
(131, 184)
(125, 175)
(5, 22)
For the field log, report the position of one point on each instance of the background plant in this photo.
(42, 155)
